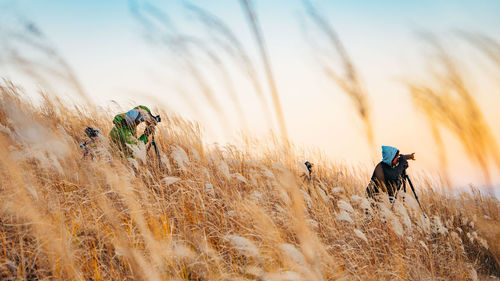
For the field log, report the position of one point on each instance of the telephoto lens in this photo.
(403, 160)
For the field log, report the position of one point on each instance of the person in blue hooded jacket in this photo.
(388, 174)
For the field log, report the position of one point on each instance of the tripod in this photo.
(407, 178)
(157, 151)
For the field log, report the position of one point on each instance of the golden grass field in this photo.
(216, 213)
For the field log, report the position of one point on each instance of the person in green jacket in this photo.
(124, 133)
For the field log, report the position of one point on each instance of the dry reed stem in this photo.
(161, 32)
(487, 45)
(452, 105)
(349, 80)
(231, 45)
(252, 19)
(53, 64)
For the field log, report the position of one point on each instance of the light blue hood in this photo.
(388, 153)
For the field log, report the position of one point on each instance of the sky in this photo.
(107, 48)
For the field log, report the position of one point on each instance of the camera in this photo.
(91, 132)
(403, 160)
(308, 166)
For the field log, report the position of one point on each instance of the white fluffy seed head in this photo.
(243, 245)
(362, 202)
(224, 169)
(292, 252)
(170, 180)
(345, 217)
(209, 189)
(180, 157)
(360, 235)
(239, 177)
(344, 206)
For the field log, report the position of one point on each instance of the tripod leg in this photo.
(397, 192)
(157, 153)
(415, 194)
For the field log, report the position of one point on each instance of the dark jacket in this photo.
(387, 178)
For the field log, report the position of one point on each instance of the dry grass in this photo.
(190, 53)
(182, 51)
(345, 75)
(253, 21)
(448, 102)
(215, 213)
(487, 45)
(27, 49)
(227, 42)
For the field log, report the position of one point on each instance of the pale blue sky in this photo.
(103, 43)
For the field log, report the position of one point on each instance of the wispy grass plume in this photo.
(225, 38)
(252, 19)
(161, 32)
(449, 103)
(348, 78)
(487, 45)
(19, 45)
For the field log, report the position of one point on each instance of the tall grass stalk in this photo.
(162, 33)
(43, 70)
(253, 22)
(487, 45)
(225, 38)
(450, 104)
(348, 80)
